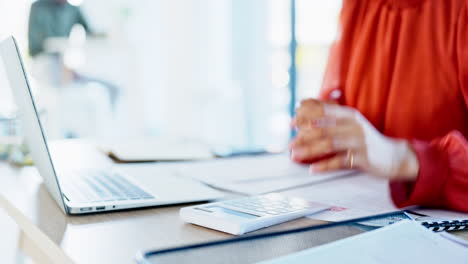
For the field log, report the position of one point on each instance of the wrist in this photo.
(409, 165)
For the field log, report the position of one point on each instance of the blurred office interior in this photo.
(218, 71)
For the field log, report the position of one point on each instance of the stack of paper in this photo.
(351, 197)
(255, 175)
(403, 242)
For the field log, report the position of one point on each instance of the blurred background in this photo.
(224, 72)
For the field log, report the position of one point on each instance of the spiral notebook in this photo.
(447, 225)
(432, 223)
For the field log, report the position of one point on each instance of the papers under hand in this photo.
(350, 197)
(357, 196)
(403, 242)
(255, 175)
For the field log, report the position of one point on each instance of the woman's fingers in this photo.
(310, 144)
(308, 111)
(311, 109)
(348, 134)
(344, 132)
(338, 162)
(319, 128)
(323, 146)
(306, 137)
(341, 161)
(319, 148)
(310, 103)
(331, 137)
(338, 111)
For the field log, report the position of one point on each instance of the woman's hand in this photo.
(350, 142)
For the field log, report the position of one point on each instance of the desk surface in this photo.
(113, 237)
(107, 237)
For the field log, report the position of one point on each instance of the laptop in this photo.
(90, 190)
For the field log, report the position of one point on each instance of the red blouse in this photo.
(404, 65)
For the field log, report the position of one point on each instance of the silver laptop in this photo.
(89, 190)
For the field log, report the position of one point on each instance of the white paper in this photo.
(457, 240)
(149, 149)
(403, 242)
(350, 197)
(254, 175)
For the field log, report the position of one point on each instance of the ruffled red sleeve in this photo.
(443, 177)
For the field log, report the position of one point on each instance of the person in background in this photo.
(56, 19)
(52, 18)
(394, 101)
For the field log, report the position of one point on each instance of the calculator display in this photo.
(222, 210)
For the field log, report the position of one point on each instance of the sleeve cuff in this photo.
(428, 187)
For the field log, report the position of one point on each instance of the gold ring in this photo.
(350, 158)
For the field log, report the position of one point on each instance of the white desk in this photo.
(43, 232)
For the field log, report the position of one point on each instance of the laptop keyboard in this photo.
(101, 186)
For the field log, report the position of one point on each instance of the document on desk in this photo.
(151, 149)
(351, 197)
(403, 242)
(255, 175)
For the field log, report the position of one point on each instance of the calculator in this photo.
(243, 215)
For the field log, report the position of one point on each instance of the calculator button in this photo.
(271, 204)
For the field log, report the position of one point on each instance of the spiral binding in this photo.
(446, 225)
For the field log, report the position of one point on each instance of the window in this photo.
(317, 25)
(213, 70)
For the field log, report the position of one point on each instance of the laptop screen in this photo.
(28, 114)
